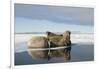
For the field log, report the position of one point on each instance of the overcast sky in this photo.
(41, 18)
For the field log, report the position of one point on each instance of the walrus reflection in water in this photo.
(52, 40)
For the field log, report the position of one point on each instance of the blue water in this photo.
(79, 52)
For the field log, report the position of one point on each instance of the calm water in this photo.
(79, 52)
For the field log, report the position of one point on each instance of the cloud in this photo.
(58, 14)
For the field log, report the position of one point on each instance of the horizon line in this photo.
(74, 32)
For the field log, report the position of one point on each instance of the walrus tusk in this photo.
(55, 48)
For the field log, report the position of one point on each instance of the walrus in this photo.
(51, 41)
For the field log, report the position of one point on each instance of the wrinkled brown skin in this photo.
(58, 40)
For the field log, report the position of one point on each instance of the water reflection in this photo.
(38, 54)
(79, 52)
(49, 54)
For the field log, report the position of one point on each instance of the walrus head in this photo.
(59, 39)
